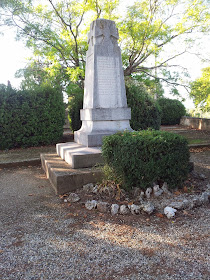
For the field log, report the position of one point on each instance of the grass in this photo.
(196, 141)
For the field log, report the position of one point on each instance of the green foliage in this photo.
(200, 90)
(56, 31)
(171, 111)
(141, 158)
(145, 113)
(75, 103)
(30, 118)
(154, 86)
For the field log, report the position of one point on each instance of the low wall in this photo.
(198, 123)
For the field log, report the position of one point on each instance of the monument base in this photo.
(97, 123)
(78, 156)
(90, 139)
(63, 177)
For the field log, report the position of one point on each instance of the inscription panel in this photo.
(108, 74)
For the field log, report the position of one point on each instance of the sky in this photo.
(14, 54)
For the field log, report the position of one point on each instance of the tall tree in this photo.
(200, 90)
(57, 31)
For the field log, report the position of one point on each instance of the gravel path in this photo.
(43, 238)
(201, 159)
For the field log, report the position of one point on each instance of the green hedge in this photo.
(141, 158)
(75, 103)
(171, 111)
(145, 112)
(30, 118)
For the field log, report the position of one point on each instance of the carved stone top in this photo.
(103, 31)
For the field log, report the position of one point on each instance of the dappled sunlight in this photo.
(124, 234)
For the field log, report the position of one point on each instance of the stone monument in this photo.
(105, 108)
(104, 113)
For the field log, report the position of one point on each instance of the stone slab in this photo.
(63, 177)
(79, 156)
(92, 138)
(105, 114)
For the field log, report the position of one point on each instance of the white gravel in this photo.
(43, 238)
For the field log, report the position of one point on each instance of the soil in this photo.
(193, 135)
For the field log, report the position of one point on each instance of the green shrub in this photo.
(30, 118)
(171, 111)
(143, 157)
(145, 113)
(75, 103)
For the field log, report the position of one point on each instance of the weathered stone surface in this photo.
(90, 204)
(169, 212)
(183, 204)
(103, 207)
(63, 178)
(149, 208)
(177, 205)
(124, 210)
(88, 187)
(105, 106)
(73, 197)
(205, 197)
(165, 189)
(148, 192)
(135, 209)
(157, 191)
(114, 209)
(95, 189)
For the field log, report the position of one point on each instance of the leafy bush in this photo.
(75, 103)
(145, 113)
(171, 111)
(30, 118)
(143, 157)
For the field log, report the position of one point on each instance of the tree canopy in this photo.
(200, 90)
(56, 31)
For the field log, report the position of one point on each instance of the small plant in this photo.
(171, 111)
(141, 158)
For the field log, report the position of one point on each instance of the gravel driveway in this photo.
(43, 238)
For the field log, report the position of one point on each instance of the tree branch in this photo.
(167, 81)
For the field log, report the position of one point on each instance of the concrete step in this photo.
(63, 177)
(79, 156)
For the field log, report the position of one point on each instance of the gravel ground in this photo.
(43, 238)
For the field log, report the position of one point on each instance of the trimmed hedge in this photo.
(145, 112)
(171, 111)
(30, 118)
(75, 103)
(141, 158)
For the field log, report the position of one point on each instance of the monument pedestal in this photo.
(105, 110)
(97, 123)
